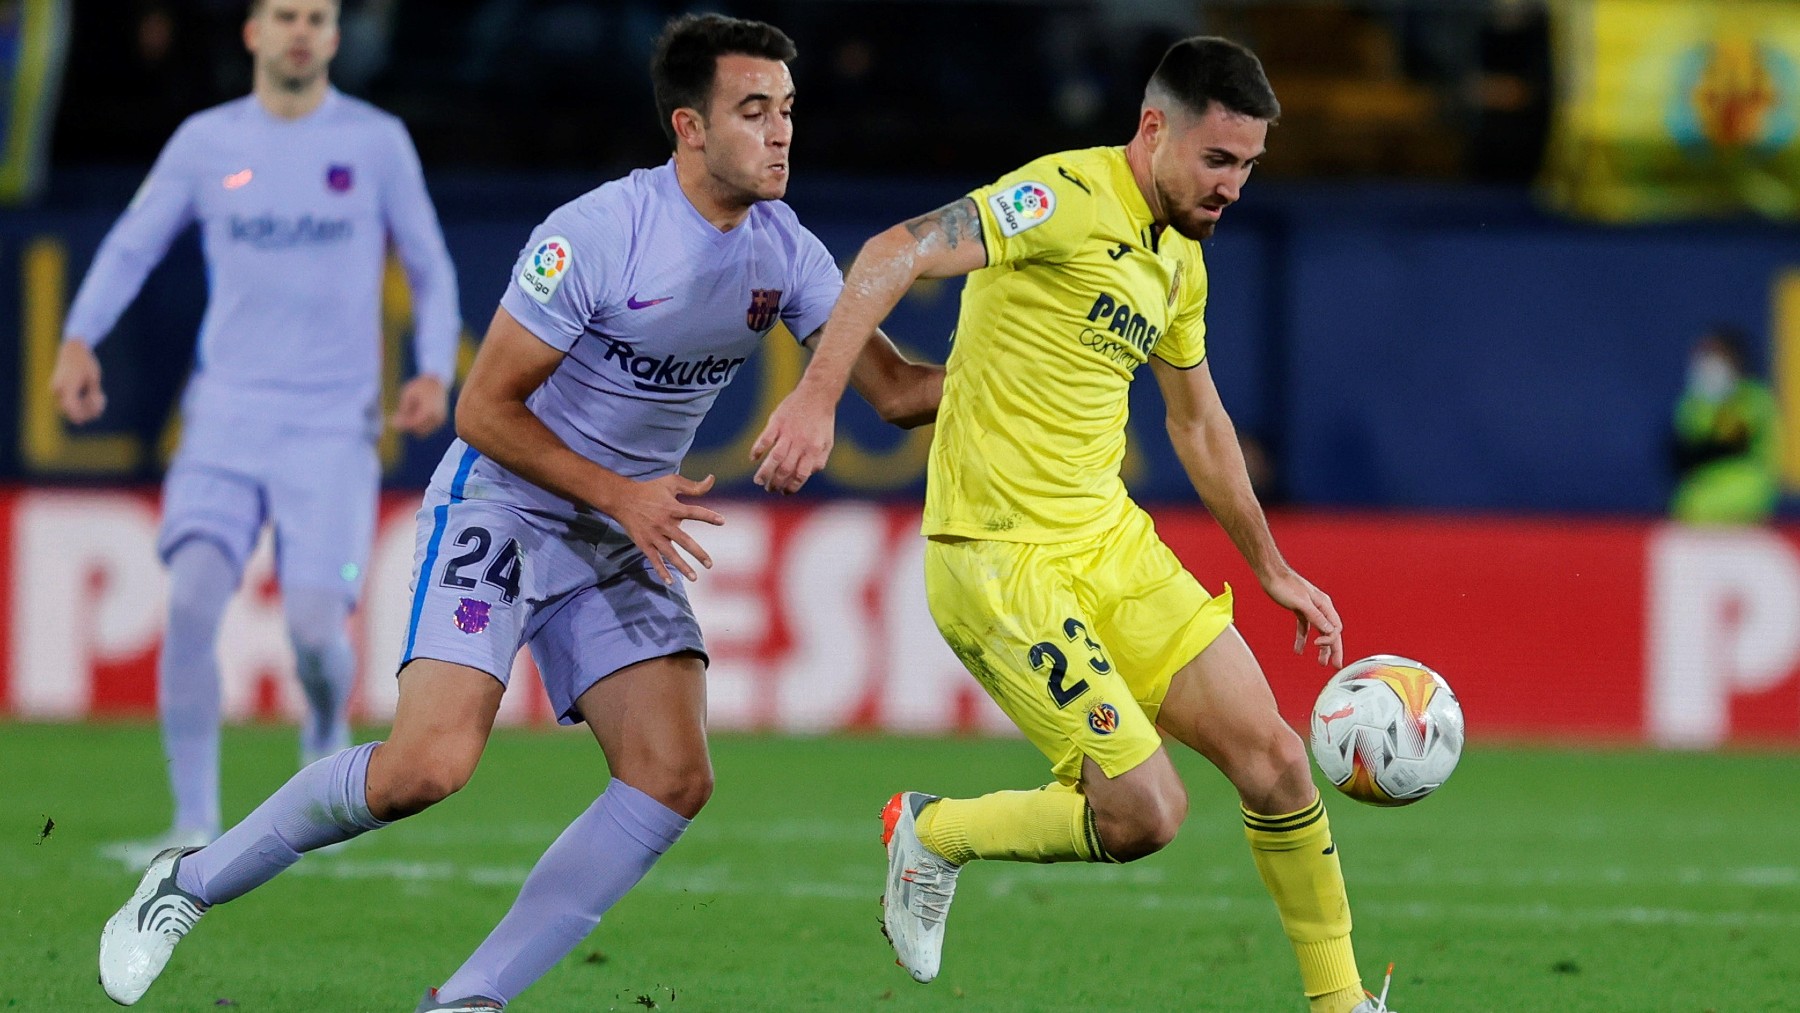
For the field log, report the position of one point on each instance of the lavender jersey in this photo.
(657, 311)
(295, 219)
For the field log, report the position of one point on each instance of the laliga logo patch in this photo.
(472, 615)
(1103, 719)
(545, 268)
(1022, 207)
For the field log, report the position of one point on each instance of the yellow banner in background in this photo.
(1676, 108)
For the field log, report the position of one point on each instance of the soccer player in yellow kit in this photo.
(1045, 578)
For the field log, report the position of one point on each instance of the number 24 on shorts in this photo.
(502, 573)
(1049, 654)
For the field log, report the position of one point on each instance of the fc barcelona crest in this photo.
(765, 306)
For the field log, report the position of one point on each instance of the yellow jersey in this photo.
(1078, 292)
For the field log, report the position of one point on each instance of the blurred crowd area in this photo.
(1446, 89)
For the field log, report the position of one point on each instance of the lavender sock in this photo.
(201, 580)
(590, 866)
(326, 665)
(325, 803)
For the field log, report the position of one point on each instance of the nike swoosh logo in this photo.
(632, 303)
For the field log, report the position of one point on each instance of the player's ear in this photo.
(1152, 123)
(250, 32)
(690, 127)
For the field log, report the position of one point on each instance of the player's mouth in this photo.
(1212, 211)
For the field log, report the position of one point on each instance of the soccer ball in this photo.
(1387, 731)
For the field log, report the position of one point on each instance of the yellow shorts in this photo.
(1076, 641)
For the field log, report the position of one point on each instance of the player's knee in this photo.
(1144, 829)
(1277, 776)
(411, 785)
(316, 623)
(683, 786)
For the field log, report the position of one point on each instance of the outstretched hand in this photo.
(1313, 613)
(794, 444)
(423, 407)
(76, 383)
(651, 513)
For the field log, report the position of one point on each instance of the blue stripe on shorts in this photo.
(440, 520)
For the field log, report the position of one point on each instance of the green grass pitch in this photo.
(1537, 880)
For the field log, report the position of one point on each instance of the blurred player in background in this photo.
(1725, 443)
(1042, 575)
(556, 521)
(297, 190)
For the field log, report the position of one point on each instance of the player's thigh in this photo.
(206, 497)
(650, 720)
(442, 721)
(324, 491)
(1010, 612)
(1220, 705)
(627, 657)
(1150, 611)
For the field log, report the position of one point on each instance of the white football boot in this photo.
(1377, 1003)
(139, 937)
(920, 885)
(432, 1003)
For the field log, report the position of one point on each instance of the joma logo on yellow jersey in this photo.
(1119, 319)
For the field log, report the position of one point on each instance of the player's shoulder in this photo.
(224, 117)
(613, 205)
(350, 109)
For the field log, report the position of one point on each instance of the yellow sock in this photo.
(1299, 864)
(1040, 825)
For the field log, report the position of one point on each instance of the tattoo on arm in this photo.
(956, 222)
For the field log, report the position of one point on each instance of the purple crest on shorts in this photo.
(765, 304)
(338, 178)
(472, 615)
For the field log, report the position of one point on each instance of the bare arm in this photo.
(903, 392)
(492, 417)
(945, 243)
(1206, 442)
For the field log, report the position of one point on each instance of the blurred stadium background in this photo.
(1451, 317)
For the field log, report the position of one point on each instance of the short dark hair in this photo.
(256, 7)
(1733, 342)
(1204, 69)
(687, 58)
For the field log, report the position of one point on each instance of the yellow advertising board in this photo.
(1676, 108)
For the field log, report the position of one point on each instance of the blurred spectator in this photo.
(1724, 447)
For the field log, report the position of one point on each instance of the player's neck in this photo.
(720, 206)
(285, 104)
(1137, 158)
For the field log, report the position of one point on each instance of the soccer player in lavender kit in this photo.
(556, 521)
(297, 190)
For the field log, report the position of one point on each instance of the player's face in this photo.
(1201, 163)
(750, 125)
(293, 41)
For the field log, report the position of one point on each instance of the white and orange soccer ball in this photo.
(1387, 731)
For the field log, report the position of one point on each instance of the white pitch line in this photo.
(722, 880)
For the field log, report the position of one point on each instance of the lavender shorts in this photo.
(318, 489)
(489, 578)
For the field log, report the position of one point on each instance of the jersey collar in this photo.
(1137, 209)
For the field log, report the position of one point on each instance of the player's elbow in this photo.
(909, 399)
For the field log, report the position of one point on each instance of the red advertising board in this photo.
(815, 617)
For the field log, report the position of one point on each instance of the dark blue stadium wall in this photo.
(1436, 350)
